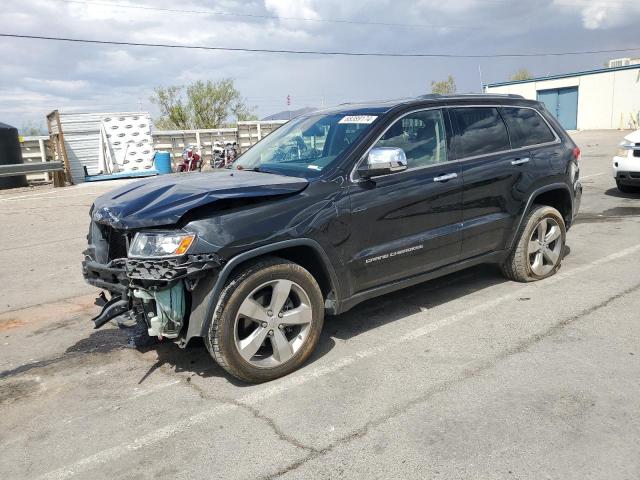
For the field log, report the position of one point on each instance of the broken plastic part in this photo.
(169, 308)
(113, 308)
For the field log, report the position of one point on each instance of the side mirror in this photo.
(383, 161)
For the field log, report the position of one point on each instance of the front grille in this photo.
(117, 242)
(636, 153)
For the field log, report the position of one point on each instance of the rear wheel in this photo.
(539, 249)
(267, 322)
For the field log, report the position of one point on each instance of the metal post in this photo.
(43, 158)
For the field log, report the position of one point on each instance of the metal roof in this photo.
(564, 75)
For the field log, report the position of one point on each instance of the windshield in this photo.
(306, 145)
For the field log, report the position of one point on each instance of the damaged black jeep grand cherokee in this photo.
(333, 208)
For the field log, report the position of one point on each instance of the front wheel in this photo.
(267, 322)
(539, 248)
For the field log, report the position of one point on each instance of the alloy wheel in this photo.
(545, 246)
(273, 323)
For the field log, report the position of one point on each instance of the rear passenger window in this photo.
(526, 127)
(480, 131)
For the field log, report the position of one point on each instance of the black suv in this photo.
(333, 208)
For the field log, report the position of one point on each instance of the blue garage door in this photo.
(563, 104)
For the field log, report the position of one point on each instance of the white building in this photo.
(596, 99)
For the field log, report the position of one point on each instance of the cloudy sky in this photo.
(39, 76)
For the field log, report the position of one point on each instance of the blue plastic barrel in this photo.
(163, 162)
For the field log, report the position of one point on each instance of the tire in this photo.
(625, 188)
(248, 302)
(531, 259)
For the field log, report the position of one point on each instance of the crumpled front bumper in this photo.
(132, 282)
(111, 277)
(118, 276)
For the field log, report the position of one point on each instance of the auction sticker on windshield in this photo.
(358, 119)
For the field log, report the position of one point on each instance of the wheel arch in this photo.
(304, 251)
(556, 195)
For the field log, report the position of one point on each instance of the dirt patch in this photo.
(48, 313)
(595, 218)
(10, 323)
(54, 327)
(100, 341)
(622, 212)
(616, 214)
(15, 389)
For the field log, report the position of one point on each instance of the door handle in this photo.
(444, 178)
(519, 161)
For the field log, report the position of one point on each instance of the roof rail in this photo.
(455, 95)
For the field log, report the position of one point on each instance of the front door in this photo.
(409, 222)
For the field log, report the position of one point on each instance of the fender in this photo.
(204, 307)
(532, 196)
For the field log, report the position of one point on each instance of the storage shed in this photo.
(82, 136)
(606, 98)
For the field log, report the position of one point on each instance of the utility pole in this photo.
(481, 83)
(289, 105)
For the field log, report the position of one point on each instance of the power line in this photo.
(272, 17)
(318, 52)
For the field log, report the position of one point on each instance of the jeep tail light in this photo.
(576, 154)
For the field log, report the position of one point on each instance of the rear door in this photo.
(409, 222)
(492, 174)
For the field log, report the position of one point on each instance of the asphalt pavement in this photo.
(466, 376)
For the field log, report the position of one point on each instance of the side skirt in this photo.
(349, 303)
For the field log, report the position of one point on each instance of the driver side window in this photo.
(422, 137)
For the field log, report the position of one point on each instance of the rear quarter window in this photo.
(526, 127)
(480, 131)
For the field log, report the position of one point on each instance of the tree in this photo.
(521, 74)
(200, 105)
(444, 87)
(32, 128)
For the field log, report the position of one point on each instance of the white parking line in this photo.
(594, 175)
(48, 196)
(304, 376)
(96, 189)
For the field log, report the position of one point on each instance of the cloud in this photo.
(53, 85)
(292, 8)
(603, 14)
(40, 76)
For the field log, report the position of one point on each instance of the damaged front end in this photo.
(153, 293)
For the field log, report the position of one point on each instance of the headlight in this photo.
(152, 244)
(623, 149)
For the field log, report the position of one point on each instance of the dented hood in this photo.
(164, 200)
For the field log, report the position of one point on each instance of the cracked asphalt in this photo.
(467, 376)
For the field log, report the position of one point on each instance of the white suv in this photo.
(626, 163)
